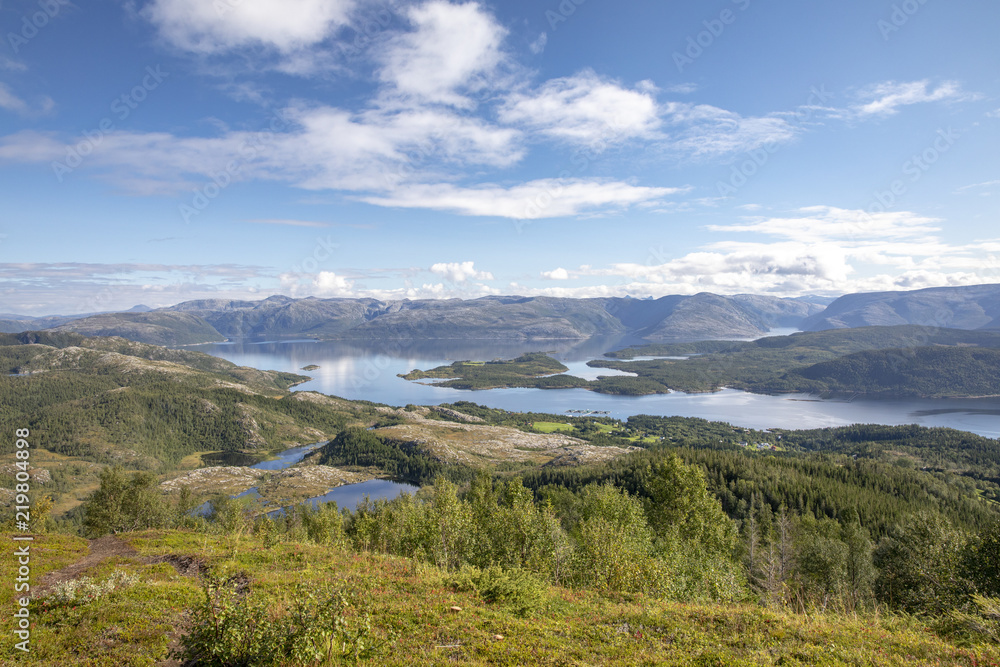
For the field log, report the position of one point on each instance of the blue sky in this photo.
(159, 151)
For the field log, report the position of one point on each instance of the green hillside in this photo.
(157, 328)
(534, 538)
(922, 371)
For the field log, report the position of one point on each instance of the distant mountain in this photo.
(494, 317)
(671, 318)
(156, 328)
(972, 307)
(502, 317)
(10, 323)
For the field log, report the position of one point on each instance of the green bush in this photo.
(514, 588)
(236, 626)
(124, 503)
(84, 590)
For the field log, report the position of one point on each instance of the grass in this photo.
(194, 460)
(409, 606)
(552, 427)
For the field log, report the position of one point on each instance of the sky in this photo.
(157, 151)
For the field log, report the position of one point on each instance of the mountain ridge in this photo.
(702, 315)
(671, 318)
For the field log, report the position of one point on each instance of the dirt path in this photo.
(100, 550)
(110, 546)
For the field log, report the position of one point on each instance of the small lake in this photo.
(348, 495)
(368, 371)
(352, 495)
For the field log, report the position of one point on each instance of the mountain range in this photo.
(670, 318)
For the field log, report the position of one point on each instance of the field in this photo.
(551, 427)
(400, 612)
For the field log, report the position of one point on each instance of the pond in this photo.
(348, 495)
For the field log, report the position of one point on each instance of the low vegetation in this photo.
(535, 369)
(489, 574)
(898, 361)
(907, 361)
(685, 542)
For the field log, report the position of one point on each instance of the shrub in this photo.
(123, 503)
(984, 621)
(84, 590)
(237, 626)
(514, 588)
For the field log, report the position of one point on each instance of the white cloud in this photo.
(11, 102)
(584, 109)
(983, 188)
(538, 45)
(78, 287)
(886, 98)
(321, 148)
(12, 65)
(821, 223)
(451, 49)
(547, 198)
(379, 150)
(328, 283)
(702, 130)
(821, 249)
(682, 88)
(459, 272)
(206, 27)
(556, 274)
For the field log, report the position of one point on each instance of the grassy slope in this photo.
(93, 402)
(409, 607)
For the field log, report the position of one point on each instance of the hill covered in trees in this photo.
(97, 402)
(894, 361)
(693, 542)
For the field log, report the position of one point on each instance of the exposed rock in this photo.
(476, 444)
(455, 414)
(971, 307)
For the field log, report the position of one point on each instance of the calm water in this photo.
(349, 495)
(368, 371)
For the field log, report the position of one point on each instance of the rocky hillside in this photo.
(671, 318)
(157, 328)
(502, 318)
(971, 307)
